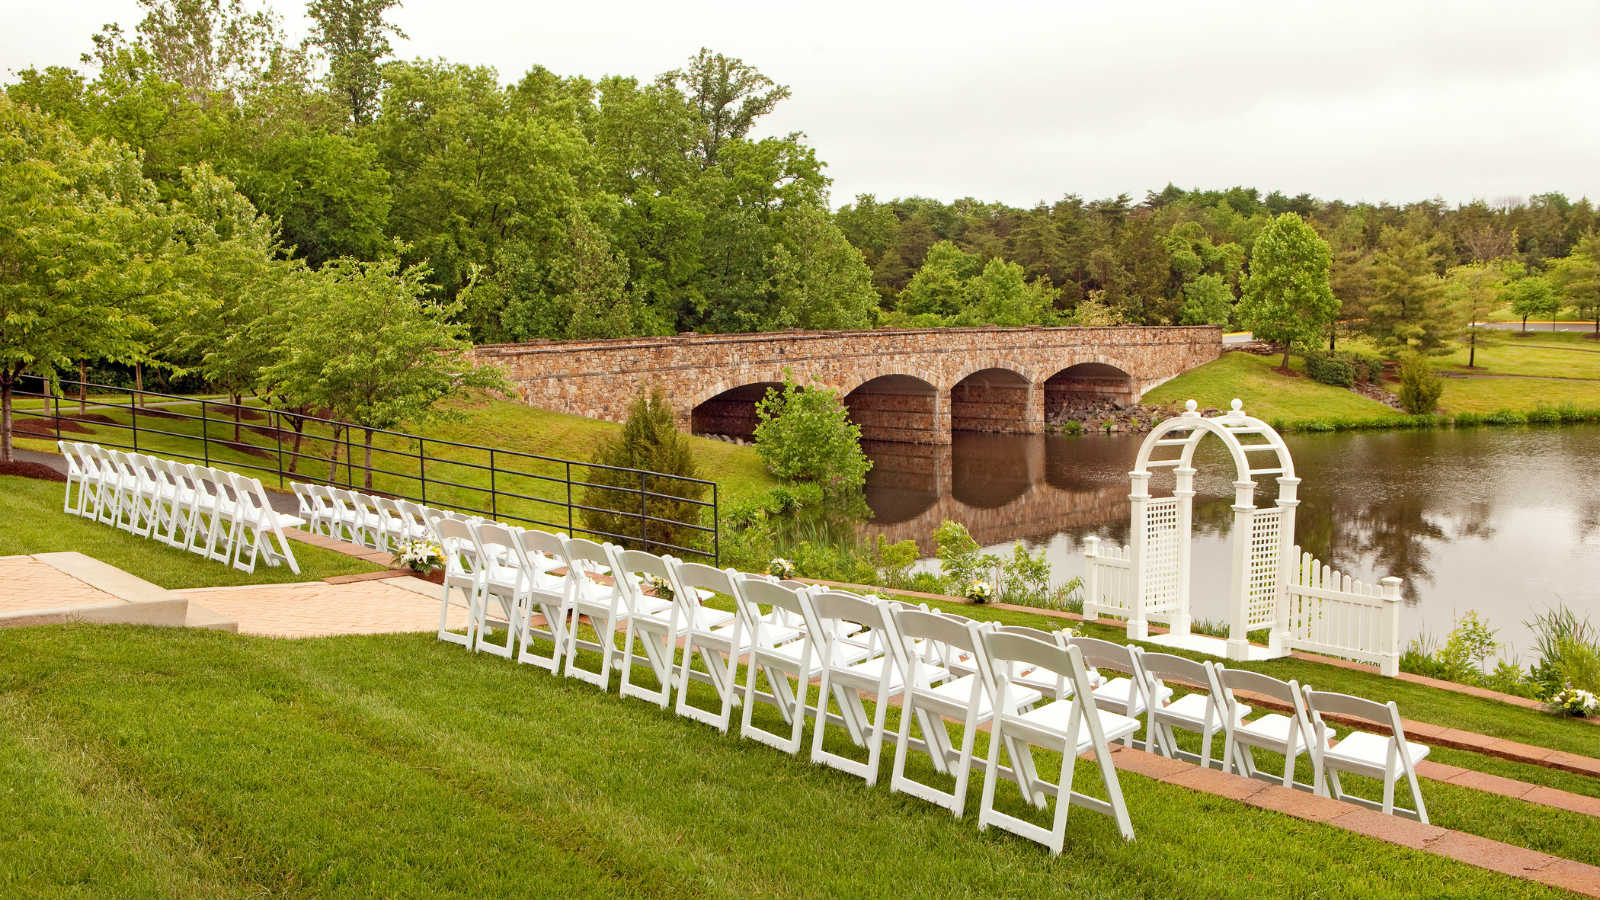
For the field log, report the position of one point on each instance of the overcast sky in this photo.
(1023, 102)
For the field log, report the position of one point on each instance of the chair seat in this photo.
(1117, 690)
(1367, 750)
(1190, 709)
(1272, 728)
(1054, 718)
(870, 672)
(958, 692)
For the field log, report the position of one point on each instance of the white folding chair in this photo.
(460, 577)
(1384, 757)
(499, 579)
(964, 698)
(168, 500)
(597, 596)
(718, 636)
(349, 523)
(842, 621)
(76, 477)
(94, 479)
(258, 525)
(1127, 694)
(1201, 710)
(324, 510)
(546, 593)
(413, 523)
(653, 623)
(119, 486)
(306, 504)
(216, 525)
(1069, 727)
(1288, 735)
(370, 520)
(780, 647)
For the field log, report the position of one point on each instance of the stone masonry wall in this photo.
(600, 378)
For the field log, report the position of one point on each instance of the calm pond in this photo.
(1504, 521)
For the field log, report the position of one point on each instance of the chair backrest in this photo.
(495, 542)
(1164, 667)
(460, 550)
(250, 496)
(389, 510)
(912, 625)
(636, 567)
(1256, 683)
(1384, 714)
(412, 514)
(538, 552)
(1098, 653)
(833, 609)
(302, 496)
(703, 577)
(756, 591)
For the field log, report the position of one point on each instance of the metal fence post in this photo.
(133, 414)
(57, 400)
(422, 468)
(277, 437)
(642, 522)
(716, 528)
(494, 506)
(205, 435)
(569, 498)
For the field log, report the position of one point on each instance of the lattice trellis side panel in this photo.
(1160, 559)
(1265, 556)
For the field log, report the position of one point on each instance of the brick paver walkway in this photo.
(318, 609)
(32, 584)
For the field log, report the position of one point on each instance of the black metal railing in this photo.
(652, 510)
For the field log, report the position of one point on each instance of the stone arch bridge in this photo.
(902, 385)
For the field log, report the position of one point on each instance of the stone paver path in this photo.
(32, 584)
(319, 609)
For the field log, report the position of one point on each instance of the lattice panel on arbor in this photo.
(1160, 560)
(1265, 554)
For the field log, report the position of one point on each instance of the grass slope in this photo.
(1267, 394)
(34, 523)
(144, 761)
(500, 424)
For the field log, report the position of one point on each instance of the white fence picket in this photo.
(1330, 612)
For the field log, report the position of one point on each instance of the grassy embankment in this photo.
(493, 423)
(34, 523)
(1514, 375)
(145, 761)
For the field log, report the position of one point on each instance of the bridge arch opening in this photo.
(731, 413)
(898, 408)
(994, 401)
(1084, 386)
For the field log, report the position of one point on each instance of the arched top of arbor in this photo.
(1255, 446)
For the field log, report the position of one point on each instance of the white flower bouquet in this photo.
(1575, 702)
(780, 568)
(979, 591)
(422, 557)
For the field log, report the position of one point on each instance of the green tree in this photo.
(1473, 291)
(819, 279)
(1287, 298)
(1577, 276)
(940, 286)
(207, 47)
(84, 252)
(804, 434)
(355, 37)
(1409, 309)
(1207, 301)
(651, 443)
(1530, 295)
(727, 96)
(367, 347)
(1000, 295)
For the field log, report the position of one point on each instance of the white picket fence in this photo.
(1324, 611)
(1108, 579)
(1330, 612)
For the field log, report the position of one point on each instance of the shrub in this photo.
(1505, 417)
(649, 441)
(1467, 419)
(1420, 385)
(1025, 577)
(1569, 652)
(1330, 370)
(805, 435)
(1544, 416)
(894, 561)
(959, 558)
(1368, 369)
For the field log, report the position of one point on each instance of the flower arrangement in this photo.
(1575, 702)
(979, 591)
(659, 587)
(421, 557)
(780, 568)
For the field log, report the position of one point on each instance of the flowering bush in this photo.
(780, 568)
(422, 557)
(979, 591)
(1575, 702)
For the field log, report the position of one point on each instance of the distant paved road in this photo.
(1536, 326)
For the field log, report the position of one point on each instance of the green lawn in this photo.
(500, 424)
(177, 762)
(34, 523)
(1266, 394)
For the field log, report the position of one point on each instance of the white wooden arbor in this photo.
(1263, 550)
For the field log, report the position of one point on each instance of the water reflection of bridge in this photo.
(1000, 487)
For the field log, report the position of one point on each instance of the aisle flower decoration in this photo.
(659, 587)
(1575, 702)
(979, 591)
(780, 568)
(421, 557)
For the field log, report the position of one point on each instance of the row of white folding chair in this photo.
(212, 512)
(381, 523)
(1213, 705)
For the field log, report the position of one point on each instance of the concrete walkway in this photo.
(51, 588)
(398, 603)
